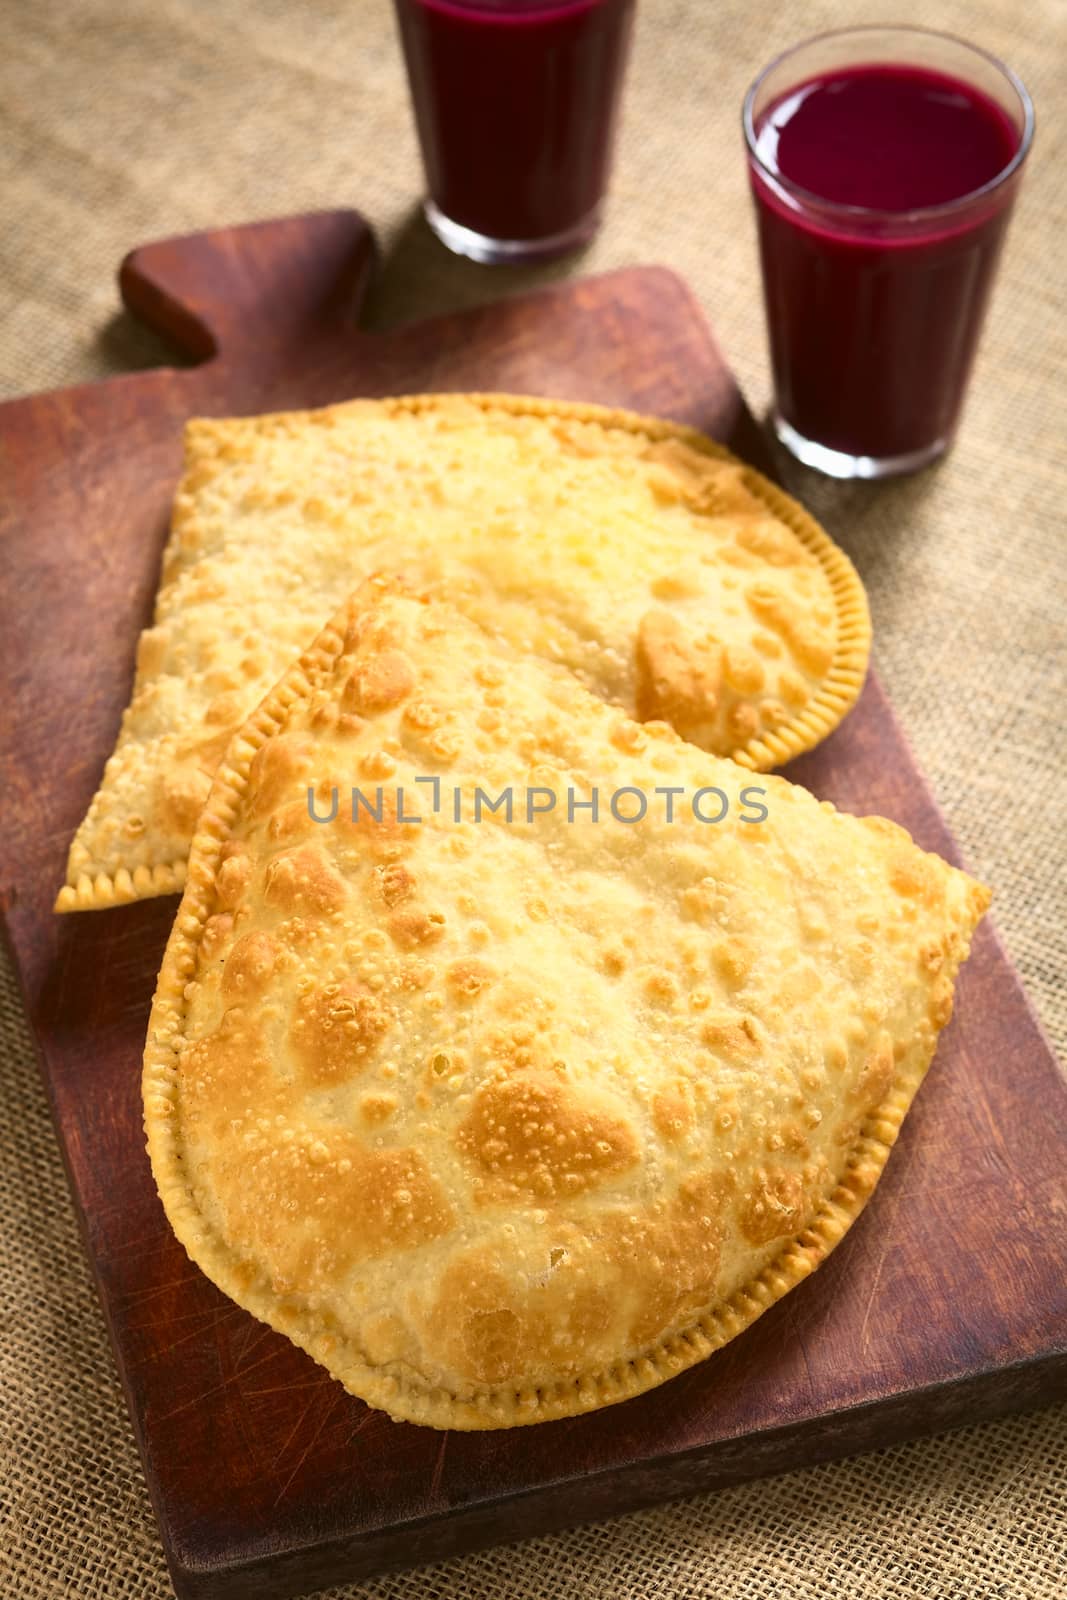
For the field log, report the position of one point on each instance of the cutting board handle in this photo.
(299, 279)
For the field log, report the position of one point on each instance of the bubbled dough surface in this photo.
(502, 1105)
(647, 567)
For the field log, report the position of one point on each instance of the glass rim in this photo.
(508, 9)
(838, 208)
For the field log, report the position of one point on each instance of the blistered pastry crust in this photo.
(511, 1124)
(677, 583)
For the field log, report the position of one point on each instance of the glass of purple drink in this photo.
(884, 163)
(516, 103)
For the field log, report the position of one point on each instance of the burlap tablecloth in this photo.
(121, 120)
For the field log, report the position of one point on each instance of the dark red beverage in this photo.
(883, 191)
(516, 104)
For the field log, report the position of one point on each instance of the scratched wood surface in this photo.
(947, 1302)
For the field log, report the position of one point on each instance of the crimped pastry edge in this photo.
(98, 887)
(398, 1391)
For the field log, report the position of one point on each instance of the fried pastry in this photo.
(512, 1118)
(674, 581)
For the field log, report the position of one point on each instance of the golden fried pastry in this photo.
(674, 581)
(512, 1118)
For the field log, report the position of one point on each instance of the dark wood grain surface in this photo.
(947, 1302)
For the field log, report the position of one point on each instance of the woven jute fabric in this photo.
(124, 120)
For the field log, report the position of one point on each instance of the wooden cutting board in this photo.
(947, 1303)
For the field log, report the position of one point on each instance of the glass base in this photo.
(839, 464)
(481, 247)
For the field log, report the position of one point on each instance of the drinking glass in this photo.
(874, 302)
(516, 104)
